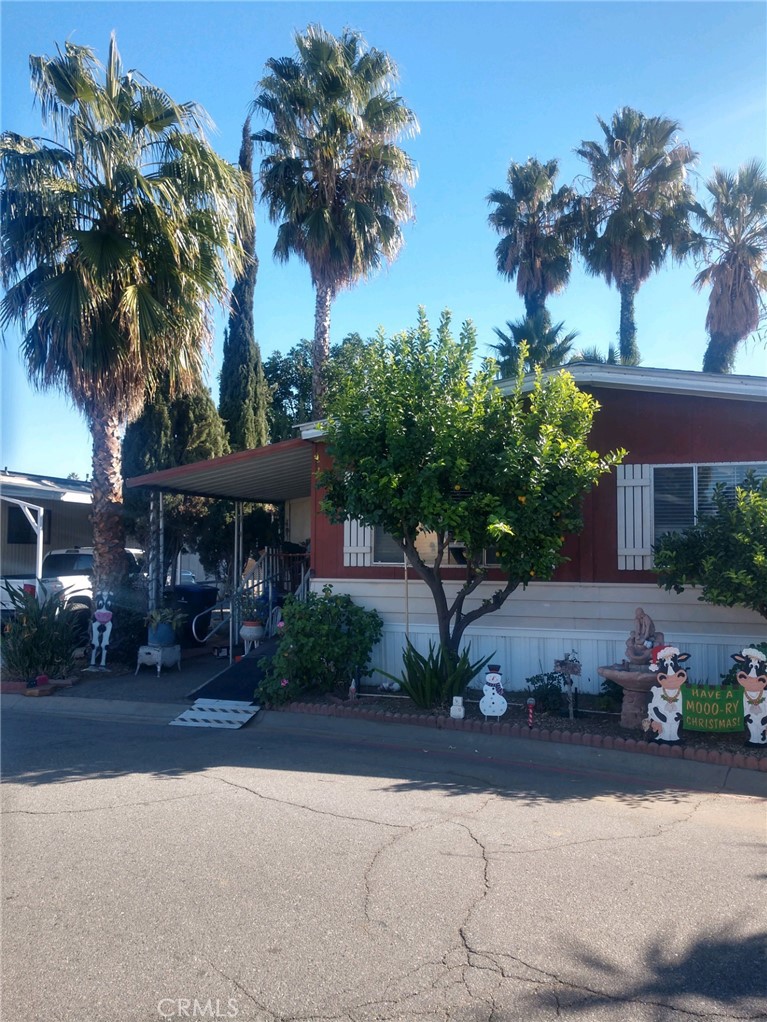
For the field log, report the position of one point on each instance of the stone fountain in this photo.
(634, 674)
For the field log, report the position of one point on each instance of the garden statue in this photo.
(665, 709)
(101, 629)
(753, 681)
(643, 639)
(493, 703)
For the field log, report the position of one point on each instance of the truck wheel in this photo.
(81, 615)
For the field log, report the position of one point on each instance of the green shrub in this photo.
(41, 638)
(434, 680)
(546, 689)
(129, 631)
(325, 642)
(731, 677)
(610, 696)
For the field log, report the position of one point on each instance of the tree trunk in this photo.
(535, 305)
(107, 513)
(629, 352)
(720, 353)
(320, 347)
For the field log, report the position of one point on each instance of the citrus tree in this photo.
(420, 442)
(725, 554)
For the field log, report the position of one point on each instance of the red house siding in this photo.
(654, 429)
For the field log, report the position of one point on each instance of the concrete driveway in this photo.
(313, 868)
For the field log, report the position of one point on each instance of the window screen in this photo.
(386, 549)
(19, 529)
(674, 499)
(684, 493)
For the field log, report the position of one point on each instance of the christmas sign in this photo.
(710, 708)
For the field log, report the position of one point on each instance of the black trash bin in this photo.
(193, 599)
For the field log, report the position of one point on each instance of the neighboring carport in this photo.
(265, 475)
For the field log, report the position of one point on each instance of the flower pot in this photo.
(251, 632)
(162, 634)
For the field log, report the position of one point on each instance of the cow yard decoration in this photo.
(753, 680)
(101, 631)
(664, 713)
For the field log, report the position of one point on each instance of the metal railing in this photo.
(273, 575)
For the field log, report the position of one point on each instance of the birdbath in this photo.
(634, 674)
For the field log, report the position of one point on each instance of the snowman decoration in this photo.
(492, 703)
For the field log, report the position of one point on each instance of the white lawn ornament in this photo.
(390, 685)
(101, 629)
(457, 710)
(665, 709)
(753, 681)
(492, 703)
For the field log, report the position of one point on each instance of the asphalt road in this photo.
(310, 868)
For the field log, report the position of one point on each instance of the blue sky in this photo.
(490, 83)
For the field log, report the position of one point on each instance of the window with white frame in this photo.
(656, 499)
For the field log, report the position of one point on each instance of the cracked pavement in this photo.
(305, 870)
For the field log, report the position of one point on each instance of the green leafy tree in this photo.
(334, 178)
(420, 445)
(536, 242)
(243, 393)
(170, 432)
(733, 241)
(289, 378)
(725, 554)
(545, 346)
(636, 212)
(116, 238)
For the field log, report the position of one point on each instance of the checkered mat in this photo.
(225, 713)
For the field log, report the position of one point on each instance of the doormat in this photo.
(221, 713)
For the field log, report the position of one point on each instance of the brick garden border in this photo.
(742, 761)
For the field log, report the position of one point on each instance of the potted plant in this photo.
(254, 611)
(162, 624)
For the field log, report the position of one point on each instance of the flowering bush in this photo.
(324, 643)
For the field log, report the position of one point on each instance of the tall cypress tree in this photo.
(243, 392)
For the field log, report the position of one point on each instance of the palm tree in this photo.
(545, 346)
(333, 178)
(116, 237)
(535, 246)
(595, 354)
(637, 209)
(734, 238)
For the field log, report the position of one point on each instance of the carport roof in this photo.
(269, 475)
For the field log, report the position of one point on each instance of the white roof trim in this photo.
(660, 381)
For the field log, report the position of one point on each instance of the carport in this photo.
(265, 475)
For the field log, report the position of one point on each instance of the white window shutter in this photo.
(634, 517)
(358, 544)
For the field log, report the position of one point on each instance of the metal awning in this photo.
(268, 475)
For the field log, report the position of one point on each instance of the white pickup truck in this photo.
(69, 571)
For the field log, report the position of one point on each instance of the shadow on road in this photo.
(58, 750)
(719, 965)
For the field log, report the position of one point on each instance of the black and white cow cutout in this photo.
(753, 681)
(665, 709)
(101, 630)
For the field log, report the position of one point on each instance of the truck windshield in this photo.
(67, 564)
